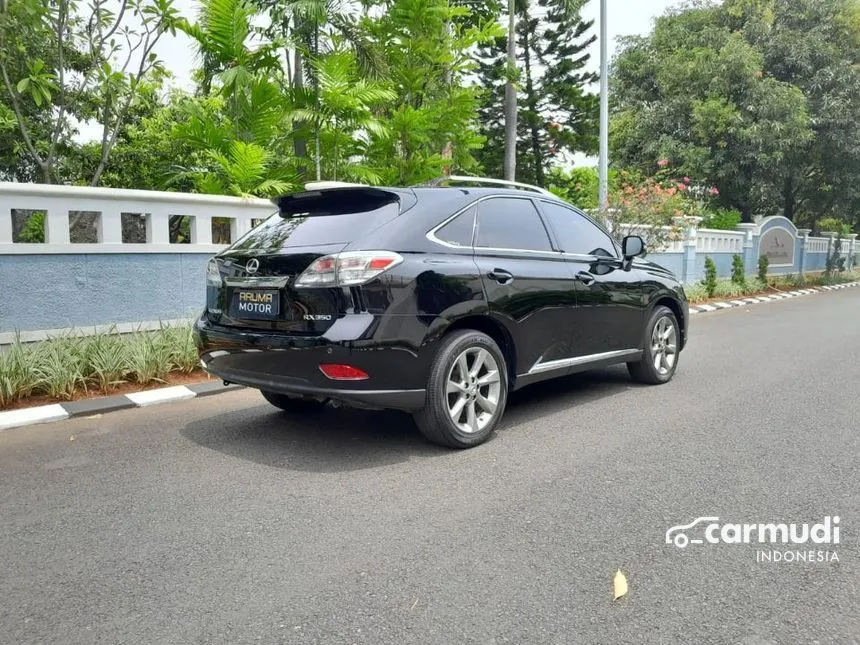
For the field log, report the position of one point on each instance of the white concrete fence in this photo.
(122, 262)
(108, 206)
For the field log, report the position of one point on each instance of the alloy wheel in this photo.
(664, 346)
(473, 388)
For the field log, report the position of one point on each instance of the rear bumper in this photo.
(406, 400)
(285, 364)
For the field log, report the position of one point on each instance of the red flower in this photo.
(663, 163)
(714, 191)
(687, 180)
(682, 186)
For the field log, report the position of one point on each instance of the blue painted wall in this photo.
(722, 260)
(39, 292)
(59, 291)
(816, 261)
(674, 262)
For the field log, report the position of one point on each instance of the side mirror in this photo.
(632, 246)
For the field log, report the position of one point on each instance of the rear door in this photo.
(611, 311)
(258, 271)
(528, 284)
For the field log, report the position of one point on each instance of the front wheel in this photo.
(294, 405)
(466, 392)
(661, 349)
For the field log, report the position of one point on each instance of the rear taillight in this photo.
(213, 275)
(338, 372)
(347, 269)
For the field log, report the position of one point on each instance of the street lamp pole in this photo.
(604, 112)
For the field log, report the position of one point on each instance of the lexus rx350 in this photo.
(435, 300)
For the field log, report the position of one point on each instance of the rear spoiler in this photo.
(343, 198)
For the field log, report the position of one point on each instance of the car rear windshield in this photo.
(327, 217)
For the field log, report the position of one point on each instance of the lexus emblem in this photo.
(252, 266)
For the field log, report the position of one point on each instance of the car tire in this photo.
(661, 347)
(294, 405)
(476, 399)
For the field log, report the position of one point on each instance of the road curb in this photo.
(144, 398)
(746, 302)
(102, 405)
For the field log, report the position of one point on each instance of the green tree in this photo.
(579, 186)
(143, 157)
(556, 115)
(431, 124)
(81, 63)
(756, 97)
(346, 117)
(239, 131)
(309, 29)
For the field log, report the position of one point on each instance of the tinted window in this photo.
(312, 228)
(576, 234)
(505, 223)
(459, 230)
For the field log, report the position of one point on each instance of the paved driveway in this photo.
(220, 521)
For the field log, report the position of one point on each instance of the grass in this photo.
(65, 366)
(726, 289)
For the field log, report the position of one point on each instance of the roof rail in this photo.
(487, 180)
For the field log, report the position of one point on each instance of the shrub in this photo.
(17, 378)
(107, 360)
(710, 281)
(834, 225)
(579, 186)
(63, 366)
(738, 275)
(696, 292)
(755, 286)
(728, 289)
(834, 260)
(649, 208)
(763, 263)
(721, 219)
(59, 367)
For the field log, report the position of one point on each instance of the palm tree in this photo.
(310, 28)
(237, 146)
(344, 112)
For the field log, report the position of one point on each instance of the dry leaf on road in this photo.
(620, 585)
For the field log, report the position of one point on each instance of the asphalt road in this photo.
(220, 521)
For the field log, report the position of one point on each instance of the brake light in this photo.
(213, 274)
(337, 372)
(347, 269)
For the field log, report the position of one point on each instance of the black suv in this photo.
(438, 300)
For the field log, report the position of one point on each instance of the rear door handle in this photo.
(501, 276)
(585, 277)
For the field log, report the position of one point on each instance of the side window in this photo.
(506, 223)
(576, 234)
(459, 230)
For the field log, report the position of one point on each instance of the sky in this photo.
(624, 17)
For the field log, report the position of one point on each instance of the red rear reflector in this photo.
(380, 263)
(343, 372)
